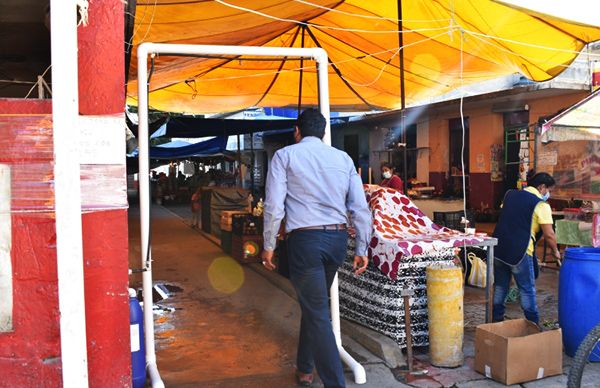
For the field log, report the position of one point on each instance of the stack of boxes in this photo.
(226, 228)
(246, 240)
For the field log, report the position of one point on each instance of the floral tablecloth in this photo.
(400, 230)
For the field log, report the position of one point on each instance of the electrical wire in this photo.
(35, 84)
(136, 30)
(372, 17)
(10, 81)
(532, 45)
(149, 24)
(496, 46)
(462, 122)
(390, 60)
(396, 50)
(324, 27)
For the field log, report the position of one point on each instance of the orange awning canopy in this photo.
(362, 40)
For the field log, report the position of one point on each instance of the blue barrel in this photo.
(579, 297)
(138, 348)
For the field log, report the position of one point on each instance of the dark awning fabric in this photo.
(196, 127)
(213, 146)
(152, 126)
(208, 147)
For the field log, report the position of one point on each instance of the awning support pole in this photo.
(402, 99)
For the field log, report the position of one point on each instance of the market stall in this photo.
(404, 243)
(570, 152)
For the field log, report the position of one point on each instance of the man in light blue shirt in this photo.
(316, 188)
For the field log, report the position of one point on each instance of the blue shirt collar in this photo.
(310, 139)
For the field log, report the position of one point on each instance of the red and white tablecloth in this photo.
(400, 229)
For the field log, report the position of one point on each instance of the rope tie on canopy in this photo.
(83, 8)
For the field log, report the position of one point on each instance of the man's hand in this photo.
(557, 255)
(360, 264)
(352, 232)
(267, 260)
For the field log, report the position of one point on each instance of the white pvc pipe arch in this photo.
(144, 51)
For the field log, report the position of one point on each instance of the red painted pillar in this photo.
(102, 59)
(30, 353)
(105, 245)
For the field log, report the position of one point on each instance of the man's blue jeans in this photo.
(314, 257)
(525, 279)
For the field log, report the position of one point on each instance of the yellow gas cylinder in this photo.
(445, 310)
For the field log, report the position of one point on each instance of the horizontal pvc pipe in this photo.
(317, 54)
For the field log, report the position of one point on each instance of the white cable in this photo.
(526, 57)
(335, 10)
(525, 44)
(318, 26)
(396, 50)
(390, 61)
(462, 122)
(139, 25)
(9, 81)
(149, 24)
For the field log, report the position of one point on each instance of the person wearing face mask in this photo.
(389, 178)
(525, 217)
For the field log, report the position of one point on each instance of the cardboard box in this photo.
(226, 217)
(515, 351)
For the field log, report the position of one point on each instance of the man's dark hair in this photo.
(311, 123)
(541, 178)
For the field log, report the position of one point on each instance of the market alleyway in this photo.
(241, 336)
(232, 327)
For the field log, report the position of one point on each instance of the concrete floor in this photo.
(233, 328)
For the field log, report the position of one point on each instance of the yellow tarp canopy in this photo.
(362, 40)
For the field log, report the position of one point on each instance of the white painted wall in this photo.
(6, 290)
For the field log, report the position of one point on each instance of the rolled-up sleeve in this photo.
(276, 191)
(357, 206)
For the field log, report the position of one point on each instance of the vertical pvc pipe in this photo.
(323, 79)
(67, 191)
(489, 285)
(144, 187)
(358, 370)
(446, 319)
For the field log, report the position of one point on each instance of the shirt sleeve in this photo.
(276, 191)
(543, 212)
(356, 203)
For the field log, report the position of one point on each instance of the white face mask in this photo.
(387, 175)
(546, 196)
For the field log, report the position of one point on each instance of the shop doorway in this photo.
(455, 154)
(351, 148)
(408, 154)
(518, 140)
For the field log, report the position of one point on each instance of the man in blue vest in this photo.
(525, 217)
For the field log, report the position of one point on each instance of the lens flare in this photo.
(225, 275)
